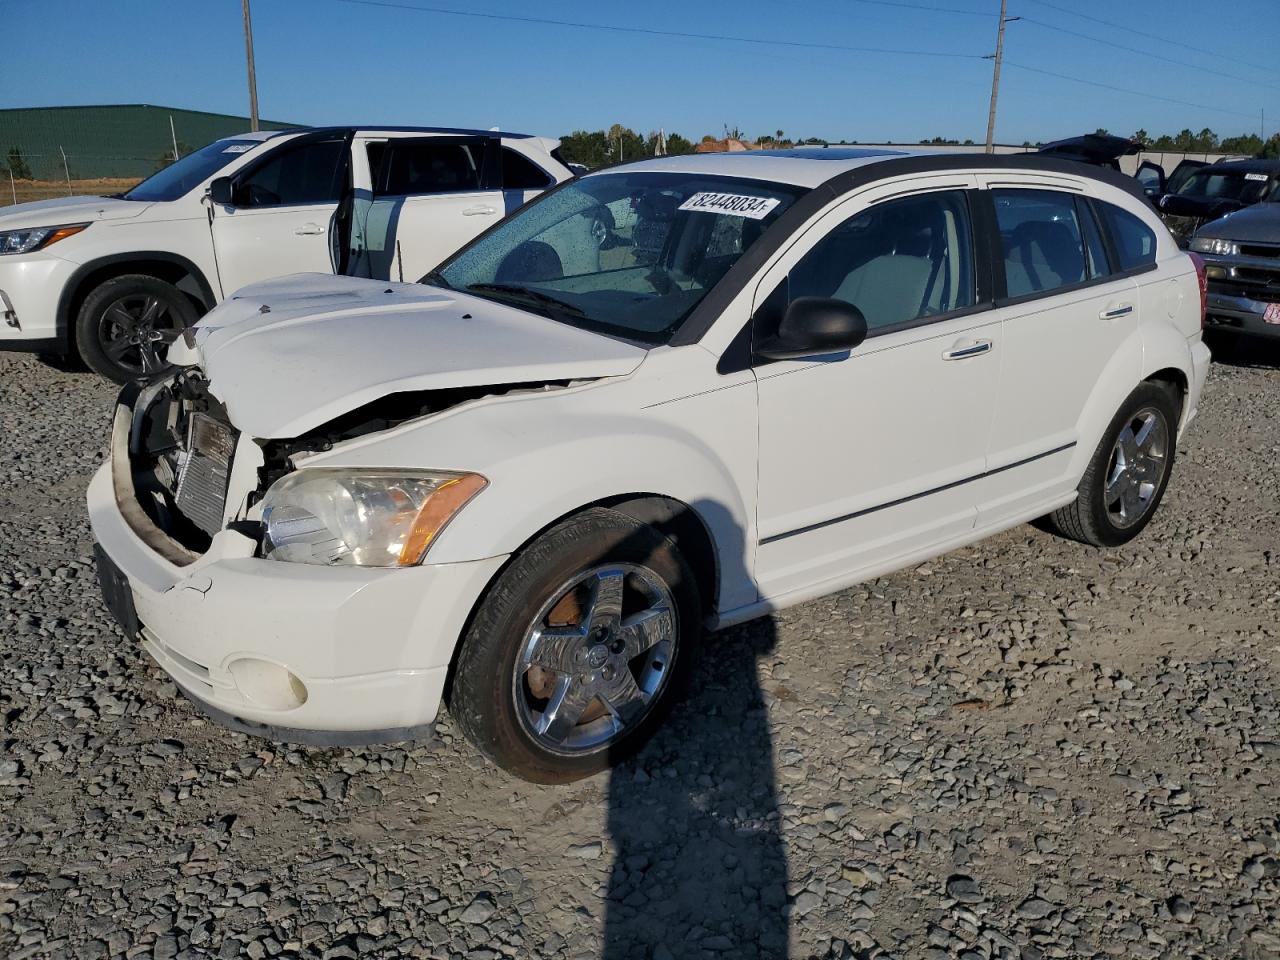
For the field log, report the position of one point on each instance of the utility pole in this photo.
(253, 81)
(995, 77)
(66, 169)
(174, 137)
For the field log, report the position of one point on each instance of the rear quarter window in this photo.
(1134, 241)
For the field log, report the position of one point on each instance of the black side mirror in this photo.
(813, 326)
(220, 191)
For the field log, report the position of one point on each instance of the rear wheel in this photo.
(579, 649)
(126, 324)
(1127, 476)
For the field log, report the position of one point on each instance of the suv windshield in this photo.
(193, 169)
(629, 254)
(1216, 184)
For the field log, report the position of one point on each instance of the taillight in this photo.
(1203, 278)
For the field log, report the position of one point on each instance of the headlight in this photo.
(363, 518)
(1223, 248)
(36, 238)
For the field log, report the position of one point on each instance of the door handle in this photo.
(481, 211)
(1115, 313)
(309, 230)
(975, 349)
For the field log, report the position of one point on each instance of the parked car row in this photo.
(663, 397)
(114, 280)
(1227, 212)
(1195, 193)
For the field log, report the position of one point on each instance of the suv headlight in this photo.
(363, 518)
(36, 238)
(1223, 248)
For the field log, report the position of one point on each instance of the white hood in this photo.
(288, 355)
(51, 213)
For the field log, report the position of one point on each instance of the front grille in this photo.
(1260, 276)
(180, 454)
(1259, 250)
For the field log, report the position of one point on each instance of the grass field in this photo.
(21, 191)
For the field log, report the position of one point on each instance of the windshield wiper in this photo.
(515, 292)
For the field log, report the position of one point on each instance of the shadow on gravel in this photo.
(1235, 350)
(701, 869)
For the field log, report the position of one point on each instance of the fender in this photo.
(65, 322)
(1118, 379)
(552, 444)
(1165, 349)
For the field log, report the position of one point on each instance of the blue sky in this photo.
(333, 61)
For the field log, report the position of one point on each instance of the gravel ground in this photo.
(1024, 749)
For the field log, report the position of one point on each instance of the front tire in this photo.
(578, 650)
(126, 324)
(1128, 473)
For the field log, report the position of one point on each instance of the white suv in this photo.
(117, 278)
(526, 489)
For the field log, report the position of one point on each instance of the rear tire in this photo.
(1128, 473)
(126, 324)
(549, 683)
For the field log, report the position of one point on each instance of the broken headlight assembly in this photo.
(363, 518)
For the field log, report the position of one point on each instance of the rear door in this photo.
(284, 213)
(1066, 316)
(522, 179)
(429, 196)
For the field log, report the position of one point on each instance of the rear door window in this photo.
(1042, 242)
(521, 173)
(1133, 240)
(408, 168)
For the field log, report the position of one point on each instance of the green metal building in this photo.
(125, 140)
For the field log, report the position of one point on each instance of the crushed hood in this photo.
(288, 355)
(48, 213)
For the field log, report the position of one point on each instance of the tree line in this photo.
(601, 148)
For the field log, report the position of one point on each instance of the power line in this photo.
(1151, 36)
(1136, 93)
(920, 6)
(547, 21)
(1144, 53)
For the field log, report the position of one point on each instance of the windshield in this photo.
(629, 254)
(192, 170)
(1209, 184)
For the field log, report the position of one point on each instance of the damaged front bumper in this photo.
(298, 653)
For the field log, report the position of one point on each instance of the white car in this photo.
(527, 491)
(115, 279)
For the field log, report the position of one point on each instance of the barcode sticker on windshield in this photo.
(733, 204)
(238, 148)
(1256, 176)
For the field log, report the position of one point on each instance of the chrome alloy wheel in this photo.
(134, 331)
(1136, 467)
(595, 658)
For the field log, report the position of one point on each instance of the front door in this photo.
(870, 456)
(430, 195)
(283, 214)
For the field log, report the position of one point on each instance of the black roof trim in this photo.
(389, 128)
(710, 308)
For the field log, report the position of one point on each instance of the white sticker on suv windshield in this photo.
(237, 148)
(1256, 176)
(733, 204)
